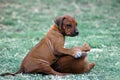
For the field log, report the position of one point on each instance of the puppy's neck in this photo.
(54, 29)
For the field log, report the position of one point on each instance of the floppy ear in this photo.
(59, 21)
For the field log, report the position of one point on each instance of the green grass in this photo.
(24, 22)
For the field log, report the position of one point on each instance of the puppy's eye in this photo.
(69, 25)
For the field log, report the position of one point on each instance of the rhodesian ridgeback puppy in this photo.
(68, 64)
(50, 48)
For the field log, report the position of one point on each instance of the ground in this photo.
(24, 22)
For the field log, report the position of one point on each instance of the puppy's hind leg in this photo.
(53, 72)
(90, 66)
(47, 69)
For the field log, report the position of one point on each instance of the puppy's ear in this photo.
(59, 21)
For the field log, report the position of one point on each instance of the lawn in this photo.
(24, 22)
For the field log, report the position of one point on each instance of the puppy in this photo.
(50, 48)
(68, 64)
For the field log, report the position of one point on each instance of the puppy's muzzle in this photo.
(76, 32)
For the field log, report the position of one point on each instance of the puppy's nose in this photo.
(76, 32)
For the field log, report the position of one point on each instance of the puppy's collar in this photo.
(59, 29)
(56, 30)
(56, 25)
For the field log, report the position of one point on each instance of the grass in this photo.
(24, 22)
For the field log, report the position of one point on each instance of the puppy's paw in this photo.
(86, 47)
(78, 54)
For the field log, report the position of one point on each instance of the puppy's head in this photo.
(67, 25)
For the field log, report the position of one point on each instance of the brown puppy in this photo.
(46, 52)
(68, 64)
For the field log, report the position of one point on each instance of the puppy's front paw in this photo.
(78, 54)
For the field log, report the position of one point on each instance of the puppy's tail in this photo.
(12, 74)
